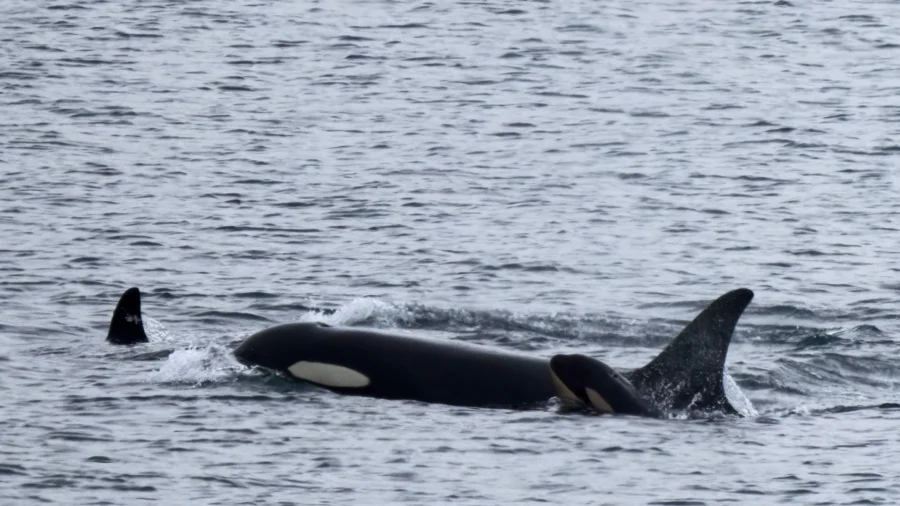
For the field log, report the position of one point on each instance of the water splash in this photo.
(364, 310)
(737, 398)
(196, 366)
(155, 330)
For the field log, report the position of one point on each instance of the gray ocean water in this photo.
(537, 176)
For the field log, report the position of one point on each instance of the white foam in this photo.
(358, 310)
(195, 366)
(155, 330)
(737, 398)
(801, 410)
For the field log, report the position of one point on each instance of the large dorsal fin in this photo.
(689, 371)
(126, 326)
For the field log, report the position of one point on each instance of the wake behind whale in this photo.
(687, 375)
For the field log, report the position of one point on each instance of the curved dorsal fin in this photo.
(126, 326)
(688, 372)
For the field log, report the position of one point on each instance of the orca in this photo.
(586, 381)
(398, 366)
(686, 375)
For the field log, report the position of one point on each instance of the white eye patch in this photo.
(562, 391)
(598, 402)
(328, 375)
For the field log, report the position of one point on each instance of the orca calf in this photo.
(587, 381)
(687, 374)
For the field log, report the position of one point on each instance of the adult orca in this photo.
(687, 374)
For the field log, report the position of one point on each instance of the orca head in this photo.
(127, 326)
(586, 380)
(295, 350)
(277, 348)
(689, 373)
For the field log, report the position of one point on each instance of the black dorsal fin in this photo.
(689, 371)
(126, 326)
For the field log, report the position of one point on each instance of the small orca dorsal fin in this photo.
(126, 326)
(688, 373)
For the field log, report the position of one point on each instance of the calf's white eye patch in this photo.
(328, 375)
(598, 401)
(562, 391)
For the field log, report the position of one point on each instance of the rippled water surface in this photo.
(534, 176)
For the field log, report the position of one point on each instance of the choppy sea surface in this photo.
(537, 176)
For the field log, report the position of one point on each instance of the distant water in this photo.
(536, 176)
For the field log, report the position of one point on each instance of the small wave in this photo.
(769, 381)
(294, 308)
(78, 436)
(255, 295)
(819, 340)
(868, 330)
(7, 469)
(528, 267)
(363, 311)
(804, 410)
(849, 409)
(231, 315)
(824, 371)
(493, 327)
(405, 26)
(785, 310)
